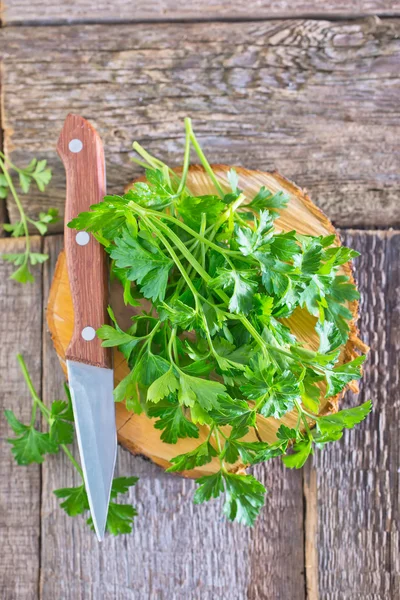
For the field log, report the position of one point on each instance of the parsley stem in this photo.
(301, 412)
(188, 255)
(210, 432)
(32, 391)
(8, 161)
(186, 161)
(298, 420)
(163, 216)
(43, 409)
(225, 216)
(140, 163)
(200, 154)
(19, 206)
(216, 436)
(184, 273)
(171, 344)
(153, 162)
(202, 247)
(313, 417)
(185, 252)
(173, 256)
(72, 459)
(250, 329)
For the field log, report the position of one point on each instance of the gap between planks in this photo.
(327, 17)
(3, 203)
(33, 12)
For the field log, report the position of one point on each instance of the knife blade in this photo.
(89, 365)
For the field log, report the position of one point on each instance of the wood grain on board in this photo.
(318, 100)
(20, 332)
(17, 12)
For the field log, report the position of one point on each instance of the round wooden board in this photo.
(137, 432)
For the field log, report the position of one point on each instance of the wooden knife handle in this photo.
(81, 150)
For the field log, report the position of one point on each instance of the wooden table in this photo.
(310, 87)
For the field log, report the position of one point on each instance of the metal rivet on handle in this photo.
(88, 334)
(75, 145)
(82, 238)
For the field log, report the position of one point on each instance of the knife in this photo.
(89, 366)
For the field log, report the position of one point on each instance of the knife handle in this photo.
(81, 151)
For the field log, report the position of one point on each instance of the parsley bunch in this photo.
(38, 173)
(31, 445)
(214, 351)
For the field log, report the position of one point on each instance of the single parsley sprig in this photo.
(215, 351)
(38, 173)
(31, 445)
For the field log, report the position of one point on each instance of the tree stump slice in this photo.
(137, 432)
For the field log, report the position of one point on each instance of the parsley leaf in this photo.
(149, 267)
(191, 208)
(301, 451)
(242, 288)
(235, 447)
(244, 495)
(244, 498)
(172, 421)
(341, 375)
(36, 172)
(75, 500)
(266, 200)
(210, 486)
(205, 392)
(163, 386)
(344, 419)
(198, 457)
(274, 392)
(30, 445)
(120, 516)
(60, 421)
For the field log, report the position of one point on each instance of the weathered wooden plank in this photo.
(358, 479)
(20, 331)
(89, 11)
(277, 542)
(317, 100)
(177, 550)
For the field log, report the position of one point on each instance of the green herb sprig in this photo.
(214, 351)
(30, 445)
(38, 173)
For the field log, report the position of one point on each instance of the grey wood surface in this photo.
(330, 531)
(317, 100)
(20, 487)
(16, 12)
(358, 479)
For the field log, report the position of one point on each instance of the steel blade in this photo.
(94, 413)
